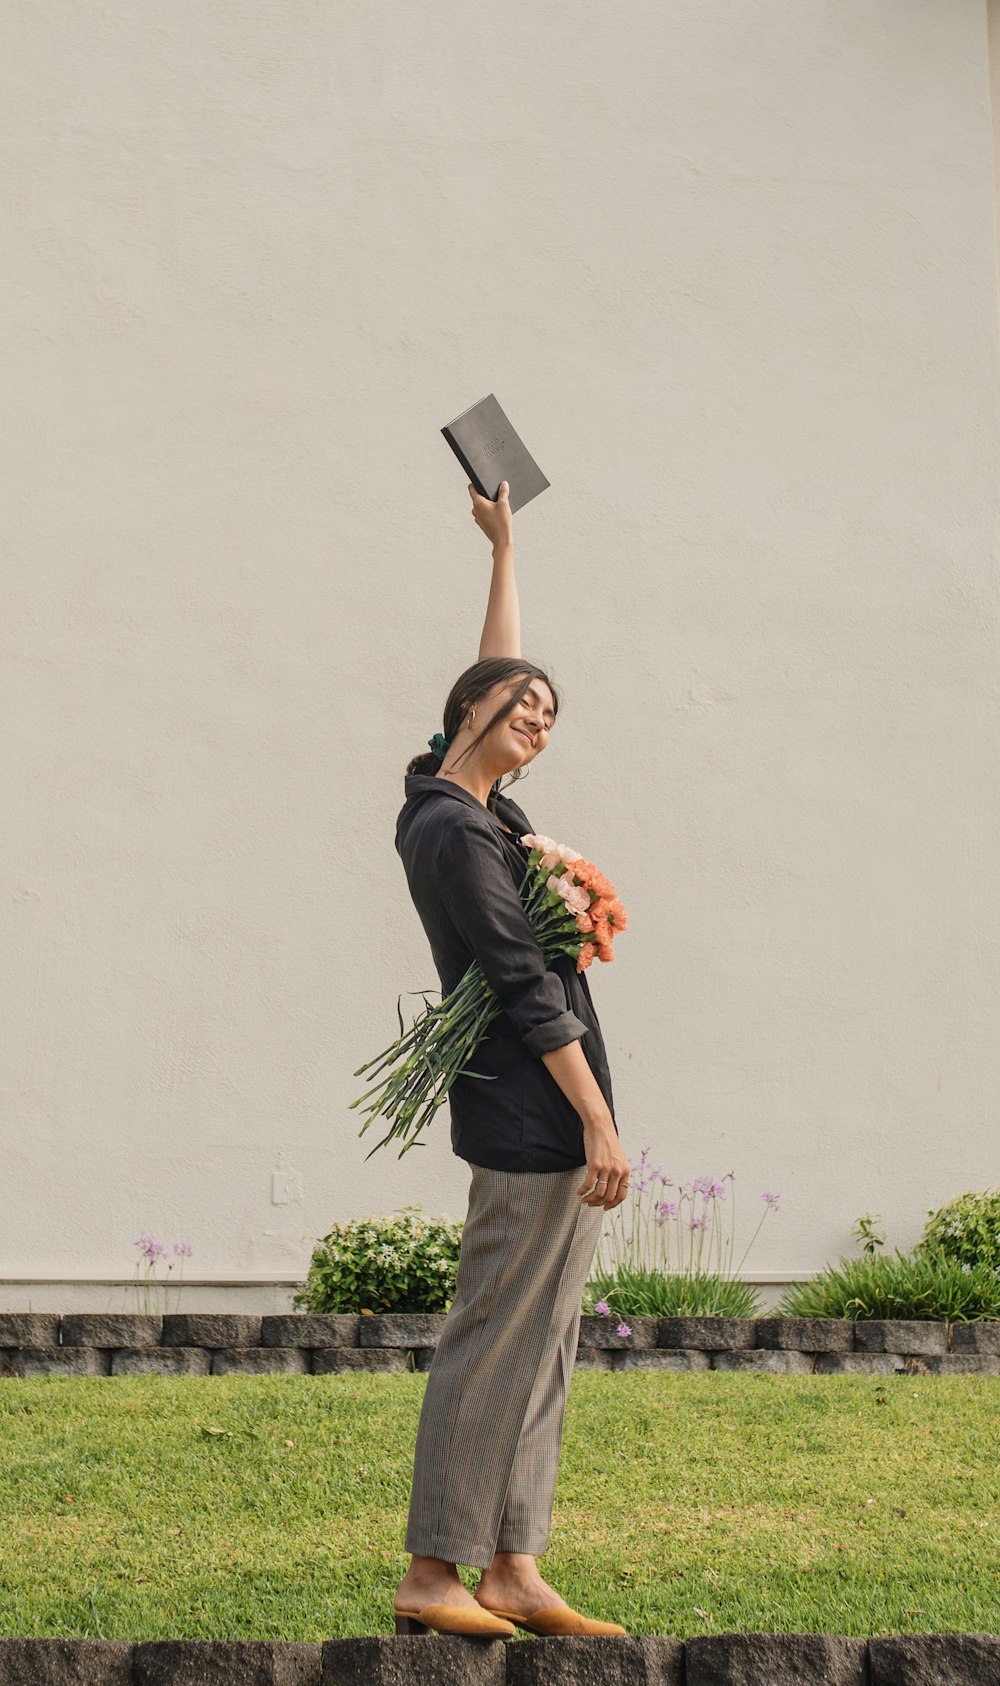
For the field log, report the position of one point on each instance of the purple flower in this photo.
(623, 1329)
(603, 1307)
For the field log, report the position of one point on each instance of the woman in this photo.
(490, 1427)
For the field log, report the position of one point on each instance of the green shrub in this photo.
(924, 1284)
(641, 1291)
(405, 1262)
(966, 1229)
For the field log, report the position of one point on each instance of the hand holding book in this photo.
(488, 447)
(494, 518)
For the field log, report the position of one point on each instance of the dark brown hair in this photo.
(469, 688)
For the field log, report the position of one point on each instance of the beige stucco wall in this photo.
(730, 266)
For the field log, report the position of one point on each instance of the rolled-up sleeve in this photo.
(482, 901)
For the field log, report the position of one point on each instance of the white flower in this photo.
(535, 840)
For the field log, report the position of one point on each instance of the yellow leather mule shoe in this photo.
(453, 1618)
(556, 1619)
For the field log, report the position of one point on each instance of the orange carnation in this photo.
(617, 915)
(585, 956)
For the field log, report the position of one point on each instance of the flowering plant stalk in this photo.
(151, 1250)
(572, 909)
(647, 1245)
(647, 1273)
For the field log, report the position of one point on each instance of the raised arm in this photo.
(502, 626)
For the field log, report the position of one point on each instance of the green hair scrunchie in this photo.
(439, 744)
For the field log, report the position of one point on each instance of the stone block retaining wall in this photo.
(204, 1343)
(724, 1659)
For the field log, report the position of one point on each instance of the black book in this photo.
(490, 451)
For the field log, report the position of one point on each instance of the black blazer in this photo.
(463, 870)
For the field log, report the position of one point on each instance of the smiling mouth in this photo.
(523, 735)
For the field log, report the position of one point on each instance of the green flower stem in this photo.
(438, 1058)
(447, 1016)
(459, 1022)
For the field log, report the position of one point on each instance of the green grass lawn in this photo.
(273, 1507)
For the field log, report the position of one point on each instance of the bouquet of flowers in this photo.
(572, 908)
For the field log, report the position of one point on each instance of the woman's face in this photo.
(524, 733)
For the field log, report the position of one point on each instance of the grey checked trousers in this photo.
(490, 1428)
